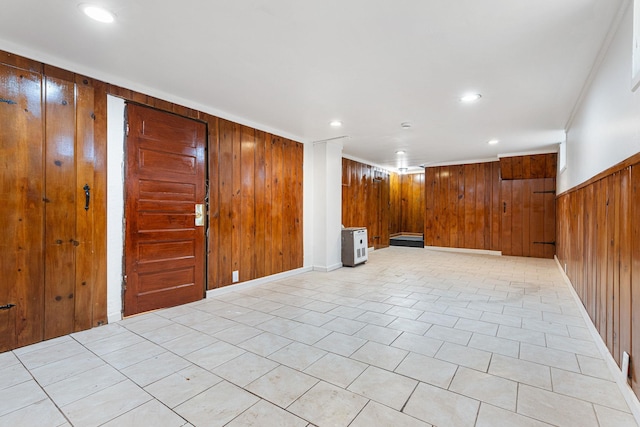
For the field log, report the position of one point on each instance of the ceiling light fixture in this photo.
(403, 170)
(335, 123)
(492, 142)
(400, 152)
(97, 13)
(405, 125)
(470, 97)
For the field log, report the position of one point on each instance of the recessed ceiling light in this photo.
(335, 123)
(400, 152)
(470, 97)
(405, 125)
(492, 142)
(97, 13)
(403, 170)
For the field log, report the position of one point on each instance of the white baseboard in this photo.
(629, 396)
(327, 269)
(255, 282)
(114, 317)
(464, 250)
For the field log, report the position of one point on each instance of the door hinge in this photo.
(7, 306)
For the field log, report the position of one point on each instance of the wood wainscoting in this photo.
(366, 200)
(599, 247)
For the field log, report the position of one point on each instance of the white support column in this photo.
(327, 204)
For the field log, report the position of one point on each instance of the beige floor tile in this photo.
(344, 345)
(315, 319)
(181, 386)
(378, 334)
(43, 413)
(145, 323)
(491, 416)
(345, 326)
(427, 369)
(152, 413)
(245, 368)
(297, 355)
(114, 343)
(379, 355)
(373, 318)
(167, 333)
(189, 343)
(524, 313)
(13, 374)
(477, 326)
(487, 388)
(411, 326)
(437, 319)
(214, 355)
(555, 408)
(337, 370)
(282, 386)
(464, 313)
(594, 390)
(594, 367)
(405, 312)
(51, 354)
(42, 345)
(327, 405)
(20, 396)
(136, 353)
(320, 306)
(375, 414)
(586, 348)
(307, 334)
(61, 369)
(464, 356)
(106, 404)
(441, 407)
(213, 325)
(550, 357)
(443, 333)
(265, 344)
(579, 333)
(264, 413)
(79, 386)
(418, 344)
(496, 345)
(522, 335)
(608, 417)
(564, 319)
(384, 387)
(8, 359)
(502, 319)
(217, 405)
(253, 318)
(289, 312)
(99, 333)
(521, 371)
(155, 368)
(545, 326)
(237, 334)
(278, 326)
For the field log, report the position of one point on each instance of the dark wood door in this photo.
(21, 208)
(164, 181)
(528, 217)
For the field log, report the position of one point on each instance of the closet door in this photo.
(21, 208)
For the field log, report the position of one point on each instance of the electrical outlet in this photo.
(235, 276)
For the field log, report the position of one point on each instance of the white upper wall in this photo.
(606, 127)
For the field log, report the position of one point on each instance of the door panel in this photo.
(22, 208)
(528, 217)
(165, 179)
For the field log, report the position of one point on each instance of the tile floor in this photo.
(412, 338)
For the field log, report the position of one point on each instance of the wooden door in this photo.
(21, 208)
(528, 217)
(164, 181)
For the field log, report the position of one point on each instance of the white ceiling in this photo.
(291, 66)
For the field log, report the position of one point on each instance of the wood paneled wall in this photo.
(50, 263)
(365, 200)
(462, 206)
(395, 204)
(535, 166)
(255, 197)
(411, 207)
(599, 246)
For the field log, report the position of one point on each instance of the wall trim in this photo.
(327, 269)
(464, 250)
(255, 282)
(631, 161)
(550, 150)
(627, 392)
